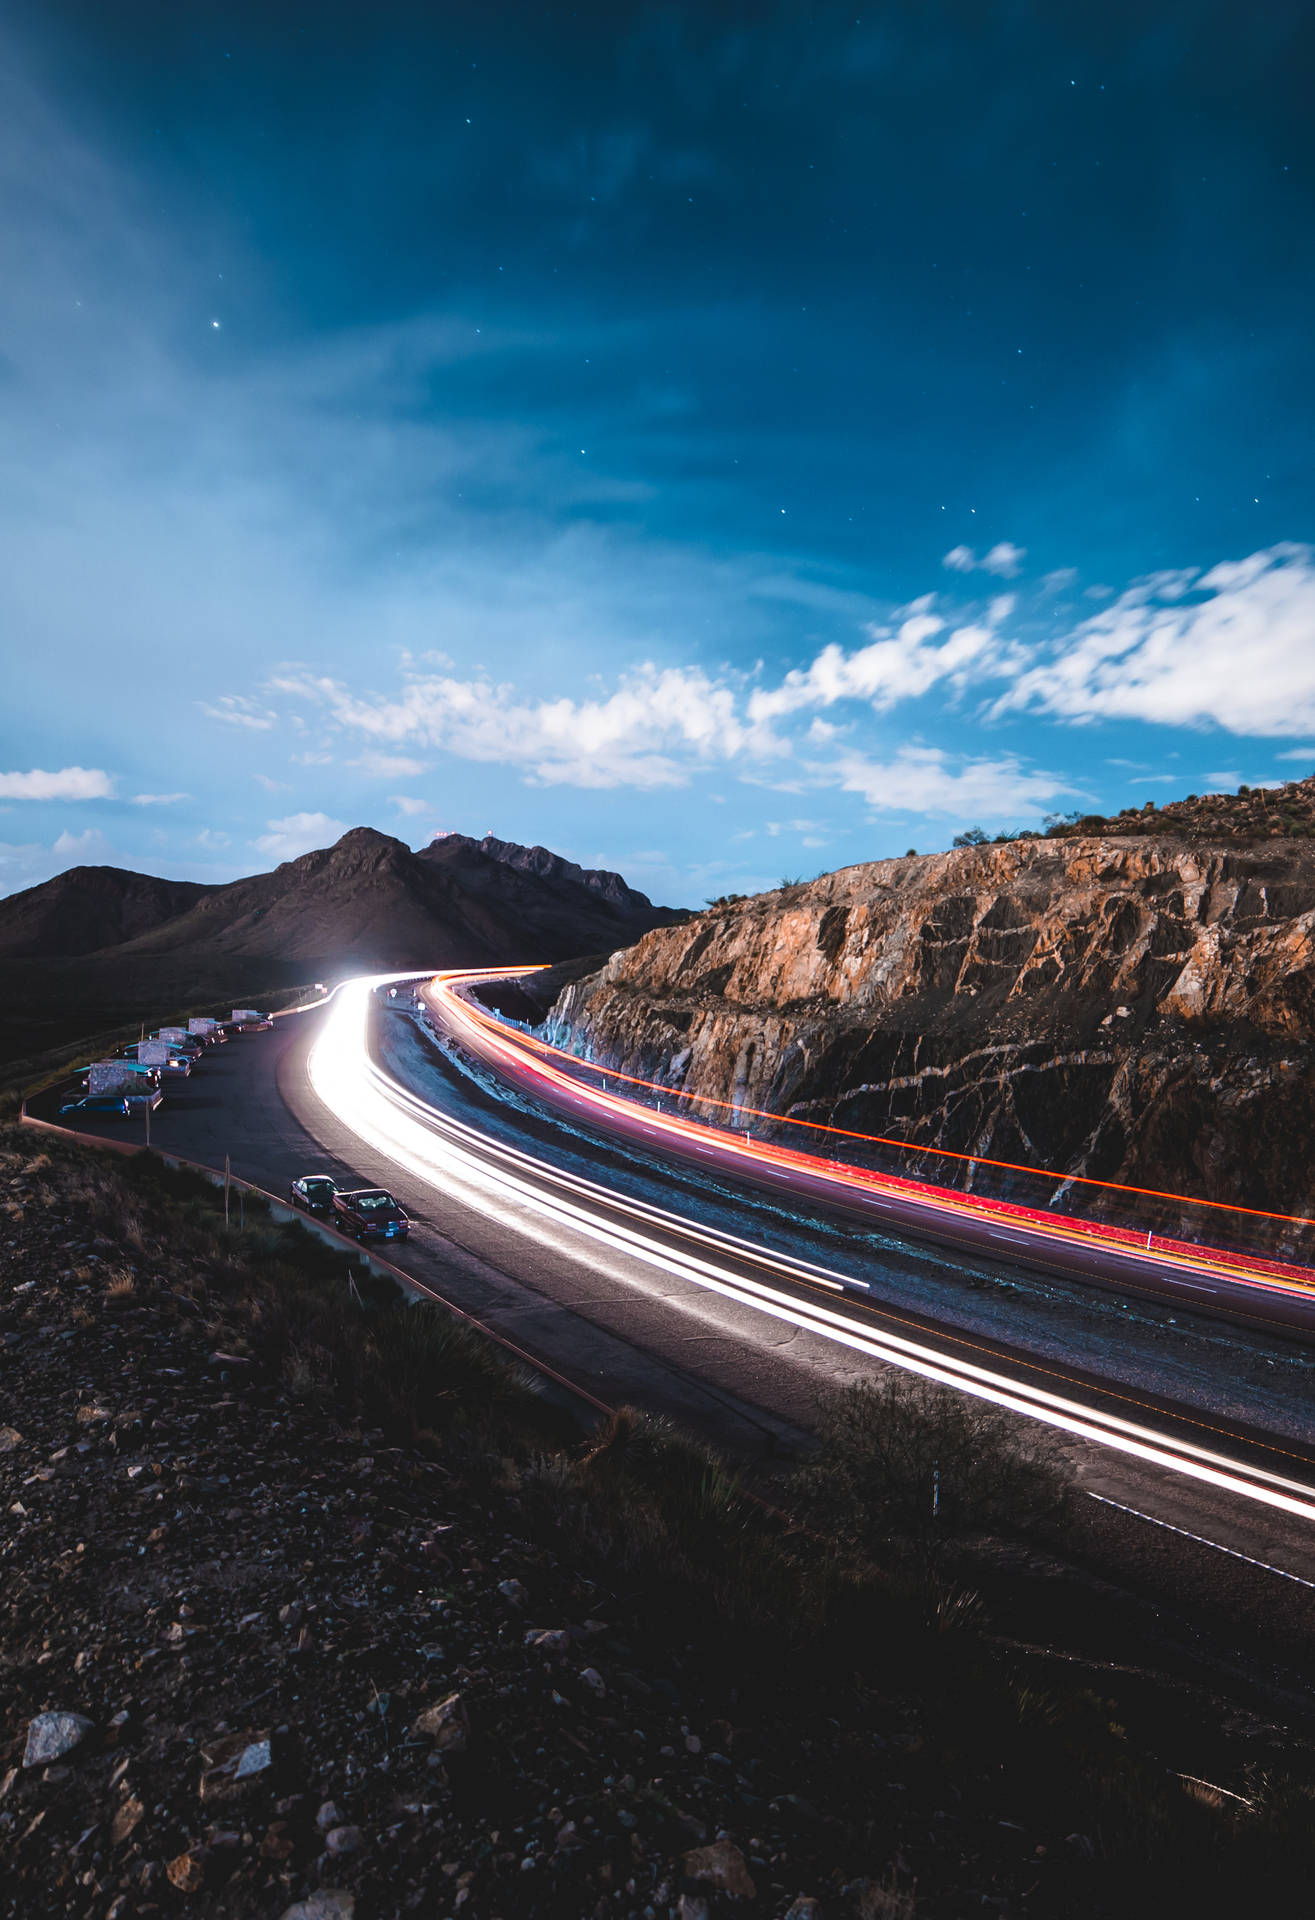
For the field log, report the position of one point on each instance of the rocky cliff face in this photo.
(1136, 1010)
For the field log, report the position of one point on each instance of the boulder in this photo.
(51, 1735)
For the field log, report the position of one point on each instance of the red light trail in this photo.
(536, 1060)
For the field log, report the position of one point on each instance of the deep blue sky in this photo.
(715, 442)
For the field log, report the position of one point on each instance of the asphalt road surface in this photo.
(622, 1327)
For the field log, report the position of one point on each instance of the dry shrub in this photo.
(901, 1458)
(883, 1900)
(674, 1514)
(308, 1371)
(121, 1287)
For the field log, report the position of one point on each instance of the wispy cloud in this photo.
(648, 733)
(390, 766)
(70, 783)
(929, 780)
(92, 847)
(236, 710)
(298, 833)
(159, 799)
(408, 804)
(1004, 560)
(902, 665)
(1229, 647)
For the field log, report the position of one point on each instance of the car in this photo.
(182, 1042)
(178, 1066)
(100, 1106)
(313, 1193)
(370, 1214)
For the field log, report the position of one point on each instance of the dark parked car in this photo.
(100, 1106)
(313, 1193)
(370, 1214)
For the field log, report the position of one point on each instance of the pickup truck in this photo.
(370, 1214)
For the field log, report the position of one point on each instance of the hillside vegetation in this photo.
(310, 1598)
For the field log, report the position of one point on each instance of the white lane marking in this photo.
(1267, 1566)
(434, 1148)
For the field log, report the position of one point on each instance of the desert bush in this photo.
(675, 1516)
(429, 1369)
(885, 1900)
(120, 1288)
(902, 1458)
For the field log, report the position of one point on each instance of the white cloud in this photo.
(271, 786)
(1298, 753)
(79, 849)
(390, 766)
(1219, 782)
(299, 833)
(894, 667)
(407, 803)
(1060, 580)
(70, 783)
(775, 828)
(158, 799)
(239, 711)
(212, 837)
(929, 780)
(1004, 559)
(646, 734)
(1232, 647)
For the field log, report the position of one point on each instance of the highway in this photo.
(733, 1331)
(1250, 1288)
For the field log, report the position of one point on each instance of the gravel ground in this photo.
(256, 1661)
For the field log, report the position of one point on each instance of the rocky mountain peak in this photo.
(552, 867)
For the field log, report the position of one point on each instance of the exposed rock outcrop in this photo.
(1132, 1009)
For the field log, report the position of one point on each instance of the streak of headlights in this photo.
(453, 1158)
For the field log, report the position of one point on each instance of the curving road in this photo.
(733, 1331)
(1250, 1288)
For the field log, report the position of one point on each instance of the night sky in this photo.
(719, 443)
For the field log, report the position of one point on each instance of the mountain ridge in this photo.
(369, 901)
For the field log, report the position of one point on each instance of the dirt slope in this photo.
(89, 908)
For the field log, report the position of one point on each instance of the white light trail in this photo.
(447, 1155)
